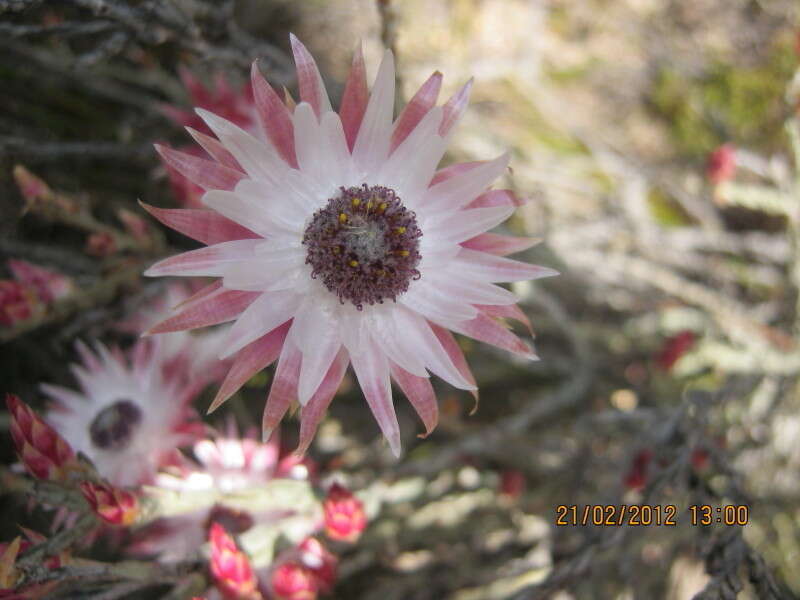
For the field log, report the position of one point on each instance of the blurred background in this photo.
(657, 141)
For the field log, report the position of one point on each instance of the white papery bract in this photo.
(318, 275)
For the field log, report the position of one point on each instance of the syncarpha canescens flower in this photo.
(49, 285)
(241, 483)
(721, 165)
(293, 581)
(18, 302)
(132, 411)
(320, 561)
(344, 514)
(337, 241)
(45, 454)
(230, 567)
(113, 505)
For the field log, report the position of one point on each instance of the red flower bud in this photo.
(113, 505)
(101, 244)
(673, 348)
(18, 302)
(636, 477)
(230, 567)
(45, 454)
(512, 483)
(721, 164)
(49, 285)
(344, 514)
(292, 581)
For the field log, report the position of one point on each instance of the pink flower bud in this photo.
(113, 505)
(45, 454)
(721, 164)
(18, 302)
(30, 186)
(293, 581)
(49, 285)
(230, 567)
(512, 483)
(101, 244)
(344, 515)
(134, 224)
(322, 563)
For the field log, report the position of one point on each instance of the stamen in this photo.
(364, 245)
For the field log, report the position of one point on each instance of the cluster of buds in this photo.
(47, 456)
(31, 289)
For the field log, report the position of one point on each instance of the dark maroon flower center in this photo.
(114, 426)
(364, 245)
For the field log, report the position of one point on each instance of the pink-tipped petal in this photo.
(208, 174)
(488, 267)
(274, 116)
(372, 371)
(284, 389)
(312, 88)
(354, 98)
(500, 245)
(220, 307)
(205, 262)
(454, 108)
(311, 414)
(416, 109)
(458, 191)
(205, 226)
(250, 360)
(497, 198)
(372, 143)
(419, 392)
(454, 352)
(455, 169)
(486, 329)
(215, 149)
(509, 311)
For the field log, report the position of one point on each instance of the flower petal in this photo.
(205, 226)
(416, 109)
(283, 390)
(458, 191)
(372, 371)
(454, 352)
(354, 98)
(208, 174)
(497, 198)
(372, 144)
(218, 307)
(509, 311)
(312, 88)
(259, 160)
(419, 392)
(486, 329)
(265, 314)
(207, 262)
(216, 150)
(500, 245)
(274, 116)
(455, 107)
(311, 414)
(488, 267)
(251, 359)
(463, 225)
(315, 334)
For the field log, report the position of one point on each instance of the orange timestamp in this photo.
(646, 515)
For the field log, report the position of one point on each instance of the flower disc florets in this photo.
(364, 245)
(114, 426)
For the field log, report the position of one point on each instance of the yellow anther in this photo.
(400, 230)
(336, 249)
(403, 252)
(342, 218)
(356, 201)
(369, 204)
(382, 206)
(353, 263)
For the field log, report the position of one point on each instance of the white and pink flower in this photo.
(337, 240)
